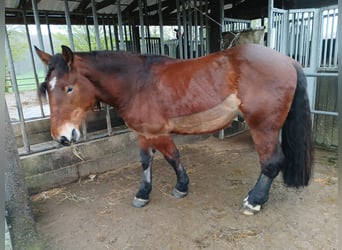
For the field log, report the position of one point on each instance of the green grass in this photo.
(25, 82)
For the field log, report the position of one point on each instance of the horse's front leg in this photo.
(146, 154)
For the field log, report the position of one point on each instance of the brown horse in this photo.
(158, 95)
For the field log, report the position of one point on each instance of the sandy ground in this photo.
(96, 213)
(29, 102)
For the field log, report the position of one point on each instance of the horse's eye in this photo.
(69, 89)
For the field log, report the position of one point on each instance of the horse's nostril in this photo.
(64, 141)
(74, 135)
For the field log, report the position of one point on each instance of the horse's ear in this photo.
(68, 55)
(45, 57)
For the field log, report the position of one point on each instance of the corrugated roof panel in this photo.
(12, 3)
(56, 5)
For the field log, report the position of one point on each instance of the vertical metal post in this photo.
(104, 31)
(110, 37)
(96, 25)
(196, 27)
(116, 34)
(207, 32)
(16, 94)
(190, 29)
(221, 132)
(120, 33)
(180, 42)
(68, 21)
(33, 63)
(185, 33)
(269, 23)
(37, 22)
(201, 29)
(142, 27)
(98, 43)
(161, 30)
(88, 33)
(49, 32)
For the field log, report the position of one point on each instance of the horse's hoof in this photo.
(178, 194)
(137, 202)
(249, 209)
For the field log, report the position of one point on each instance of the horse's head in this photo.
(70, 95)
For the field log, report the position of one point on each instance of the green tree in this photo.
(17, 40)
(79, 33)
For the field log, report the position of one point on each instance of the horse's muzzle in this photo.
(75, 135)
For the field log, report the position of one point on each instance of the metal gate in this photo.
(310, 37)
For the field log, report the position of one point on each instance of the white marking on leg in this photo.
(249, 209)
(147, 174)
(53, 83)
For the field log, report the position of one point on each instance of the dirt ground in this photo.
(96, 213)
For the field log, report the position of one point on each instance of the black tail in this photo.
(297, 137)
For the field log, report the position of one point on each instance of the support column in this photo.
(214, 28)
(142, 28)
(161, 30)
(121, 36)
(68, 21)
(16, 94)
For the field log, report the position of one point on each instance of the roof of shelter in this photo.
(79, 9)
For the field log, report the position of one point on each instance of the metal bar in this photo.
(104, 32)
(120, 31)
(201, 29)
(270, 22)
(301, 44)
(117, 39)
(321, 74)
(196, 29)
(68, 21)
(185, 32)
(37, 22)
(326, 40)
(142, 28)
(190, 38)
(125, 40)
(88, 33)
(98, 43)
(207, 25)
(308, 39)
(336, 43)
(296, 36)
(319, 112)
(16, 93)
(33, 63)
(180, 42)
(96, 25)
(331, 37)
(49, 32)
(110, 37)
(292, 39)
(161, 30)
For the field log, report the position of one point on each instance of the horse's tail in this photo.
(296, 139)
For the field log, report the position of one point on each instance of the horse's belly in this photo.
(209, 120)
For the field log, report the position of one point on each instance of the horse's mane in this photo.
(122, 62)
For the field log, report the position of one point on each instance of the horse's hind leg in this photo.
(271, 160)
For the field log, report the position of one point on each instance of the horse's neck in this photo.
(112, 79)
